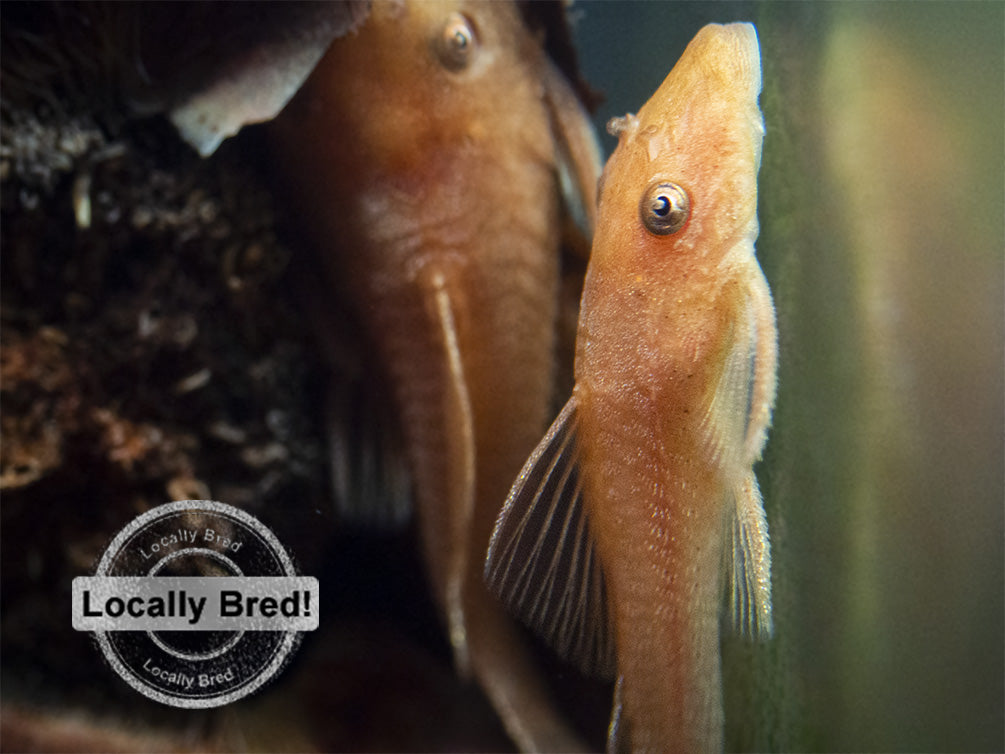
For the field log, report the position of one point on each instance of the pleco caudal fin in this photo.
(541, 560)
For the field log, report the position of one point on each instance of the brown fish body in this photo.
(410, 203)
(424, 161)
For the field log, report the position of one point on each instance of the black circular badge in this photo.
(196, 604)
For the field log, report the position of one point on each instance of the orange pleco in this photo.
(423, 157)
(641, 502)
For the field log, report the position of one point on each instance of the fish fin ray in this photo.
(461, 482)
(749, 566)
(725, 420)
(541, 561)
(618, 737)
(764, 365)
(577, 149)
(739, 412)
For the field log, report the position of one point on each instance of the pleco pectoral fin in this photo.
(460, 439)
(764, 363)
(735, 426)
(749, 566)
(577, 150)
(724, 423)
(541, 560)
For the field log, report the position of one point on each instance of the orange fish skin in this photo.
(664, 439)
(429, 183)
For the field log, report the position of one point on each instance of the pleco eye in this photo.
(664, 208)
(457, 42)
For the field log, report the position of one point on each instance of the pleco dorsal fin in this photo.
(541, 560)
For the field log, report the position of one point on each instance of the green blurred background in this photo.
(882, 196)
